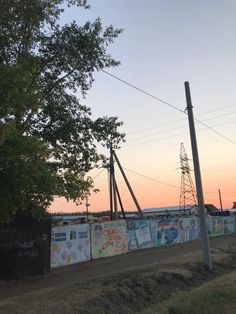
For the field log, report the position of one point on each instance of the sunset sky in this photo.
(164, 44)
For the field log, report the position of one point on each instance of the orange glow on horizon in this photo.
(148, 196)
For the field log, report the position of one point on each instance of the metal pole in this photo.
(128, 185)
(198, 180)
(221, 207)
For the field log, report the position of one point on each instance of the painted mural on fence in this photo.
(167, 231)
(228, 225)
(188, 229)
(217, 225)
(70, 244)
(109, 238)
(141, 234)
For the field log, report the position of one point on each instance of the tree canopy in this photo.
(48, 139)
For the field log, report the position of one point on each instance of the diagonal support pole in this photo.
(128, 185)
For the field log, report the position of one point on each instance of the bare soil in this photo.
(128, 283)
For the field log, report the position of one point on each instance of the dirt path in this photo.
(110, 266)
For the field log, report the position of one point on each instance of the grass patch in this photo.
(216, 296)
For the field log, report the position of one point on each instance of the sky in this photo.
(164, 44)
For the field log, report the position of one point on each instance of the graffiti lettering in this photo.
(26, 244)
(27, 253)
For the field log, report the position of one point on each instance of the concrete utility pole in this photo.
(113, 184)
(198, 180)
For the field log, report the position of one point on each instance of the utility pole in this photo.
(112, 185)
(87, 207)
(114, 191)
(198, 180)
(129, 186)
(221, 207)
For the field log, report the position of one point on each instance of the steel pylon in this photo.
(187, 202)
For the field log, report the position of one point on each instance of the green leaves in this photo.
(48, 140)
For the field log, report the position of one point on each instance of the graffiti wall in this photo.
(228, 225)
(109, 238)
(141, 234)
(217, 225)
(188, 229)
(24, 247)
(70, 244)
(167, 231)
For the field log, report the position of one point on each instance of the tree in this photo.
(48, 140)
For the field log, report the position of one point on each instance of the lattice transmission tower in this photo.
(187, 202)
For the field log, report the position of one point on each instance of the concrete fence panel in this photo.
(188, 229)
(109, 238)
(217, 225)
(141, 234)
(70, 244)
(167, 231)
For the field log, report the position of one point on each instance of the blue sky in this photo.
(165, 43)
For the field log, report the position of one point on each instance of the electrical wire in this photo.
(168, 104)
(98, 174)
(144, 92)
(155, 140)
(215, 131)
(216, 109)
(160, 132)
(149, 178)
(180, 120)
(172, 136)
(220, 116)
(176, 128)
(155, 127)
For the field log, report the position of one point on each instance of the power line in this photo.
(180, 120)
(220, 116)
(215, 131)
(216, 109)
(166, 103)
(155, 127)
(144, 92)
(98, 174)
(160, 132)
(180, 127)
(155, 180)
(155, 140)
(228, 194)
(171, 136)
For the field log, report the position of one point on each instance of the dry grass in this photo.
(214, 297)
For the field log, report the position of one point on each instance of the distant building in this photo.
(129, 215)
(174, 211)
(166, 211)
(211, 208)
(72, 219)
